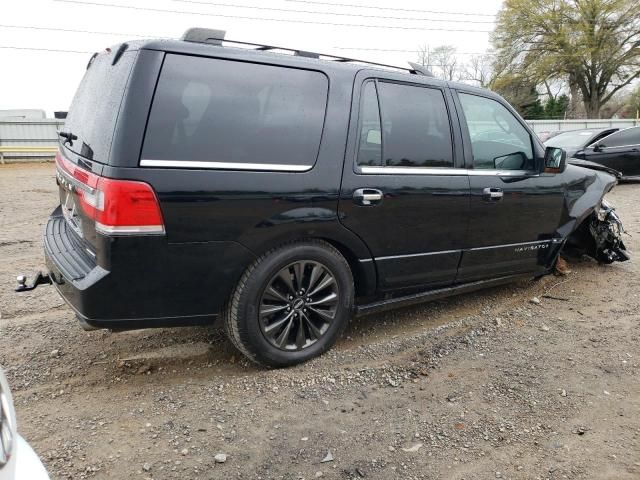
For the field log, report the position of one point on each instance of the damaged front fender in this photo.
(592, 226)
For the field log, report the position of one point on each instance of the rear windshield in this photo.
(94, 110)
(230, 114)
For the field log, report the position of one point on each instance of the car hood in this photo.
(595, 166)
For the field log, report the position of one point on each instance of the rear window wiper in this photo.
(69, 137)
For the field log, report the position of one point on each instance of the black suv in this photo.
(284, 191)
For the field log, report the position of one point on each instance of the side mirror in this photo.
(597, 147)
(555, 160)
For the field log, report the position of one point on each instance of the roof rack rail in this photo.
(216, 37)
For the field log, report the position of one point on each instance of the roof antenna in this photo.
(204, 35)
(418, 69)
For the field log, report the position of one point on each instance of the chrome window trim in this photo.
(394, 257)
(453, 171)
(269, 167)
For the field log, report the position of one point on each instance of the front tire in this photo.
(291, 304)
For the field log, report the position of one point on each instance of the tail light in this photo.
(118, 207)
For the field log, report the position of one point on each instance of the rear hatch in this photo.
(90, 203)
(94, 111)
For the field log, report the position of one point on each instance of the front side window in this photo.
(236, 113)
(628, 136)
(498, 139)
(404, 126)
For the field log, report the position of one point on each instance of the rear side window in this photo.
(235, 115)
(415, 127)
(629, 136)
(94, 111)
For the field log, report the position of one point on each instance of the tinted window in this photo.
(498, 139)
(629, 136)
(94, 110)
(213, 110)
(415, 126)
(370, 147)
(571, 139)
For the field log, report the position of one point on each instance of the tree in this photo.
(424, 56)
(634, 102)
(519, 92)
(479, 70)
(445, 62)
(592, 44)
(556, 107)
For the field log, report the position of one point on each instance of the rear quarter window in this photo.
(231, 114)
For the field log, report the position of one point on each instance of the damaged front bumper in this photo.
(606, 229)
(600, 237)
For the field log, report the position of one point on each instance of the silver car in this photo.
(18, 461)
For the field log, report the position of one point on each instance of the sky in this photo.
(41, 66)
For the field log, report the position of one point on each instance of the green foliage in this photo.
(519, 92)
(534, 111)
(634, 102)
(592, 44)
(556, 107)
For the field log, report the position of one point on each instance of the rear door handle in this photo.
(492, 194)
(367, 197)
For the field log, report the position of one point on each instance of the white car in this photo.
(18, 461)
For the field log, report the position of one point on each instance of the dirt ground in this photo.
(485, 385)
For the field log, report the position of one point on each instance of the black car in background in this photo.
(284, 191)
(573, 141)
(619, 151)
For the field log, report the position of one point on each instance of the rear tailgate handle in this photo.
(492, 194)
(367, 197)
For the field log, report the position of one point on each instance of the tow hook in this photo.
(41, 279)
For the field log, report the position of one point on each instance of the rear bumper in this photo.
(147, 282)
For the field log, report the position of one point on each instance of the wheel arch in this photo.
(352, 248)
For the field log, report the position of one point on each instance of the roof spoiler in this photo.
(420, 69)
(204, 35)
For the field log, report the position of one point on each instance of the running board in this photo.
(416, 298)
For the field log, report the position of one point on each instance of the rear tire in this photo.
(291, 304)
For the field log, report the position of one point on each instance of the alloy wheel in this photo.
(298, 305)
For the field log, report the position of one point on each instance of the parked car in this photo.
(573, 141)
(284, 193)
(619, 151)
(18, 461)
(546, 135)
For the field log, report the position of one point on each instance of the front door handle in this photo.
(367, 197)
(492, 194)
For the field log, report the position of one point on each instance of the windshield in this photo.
(94, 110)
(571, 139)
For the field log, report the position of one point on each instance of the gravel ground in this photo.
(485, 385)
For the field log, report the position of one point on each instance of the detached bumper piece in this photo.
(40, 279)
(607, 230)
